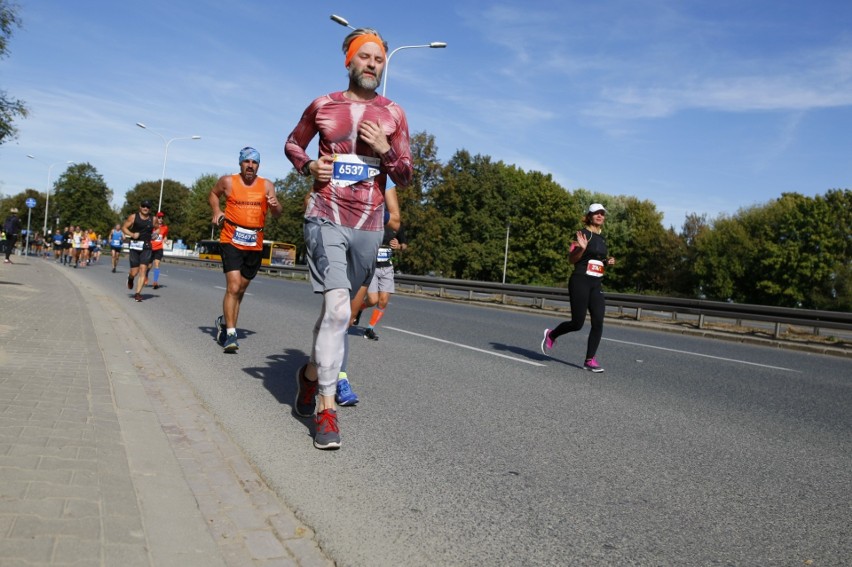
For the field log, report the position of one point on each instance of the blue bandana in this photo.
(249, 153)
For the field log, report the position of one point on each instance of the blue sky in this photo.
(697, 106)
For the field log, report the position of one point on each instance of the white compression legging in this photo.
(329, 334)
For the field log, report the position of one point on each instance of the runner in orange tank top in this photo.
(158, 239)
(248, 197)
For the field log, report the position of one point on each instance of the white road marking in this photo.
(466, 346)
(705, 355)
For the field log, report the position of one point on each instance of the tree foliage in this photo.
(10, 108)
(795, 251)
(81, 197)
(792, 251)
(175, 197)
(198, 224)
(291, 192)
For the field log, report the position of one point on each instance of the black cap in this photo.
(145, 203)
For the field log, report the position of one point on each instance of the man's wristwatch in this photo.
(306, 169)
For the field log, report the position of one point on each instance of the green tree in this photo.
(19, 202)
(427, 174)
(722, 259)
(10, 108)
(467, 218)
(291, 192)
(687, 283)
(461, 230)
(835, 293)
(800, 240)
(648, 257)
(539, 236)
(175, 197)
(81, 197)
(198, 225)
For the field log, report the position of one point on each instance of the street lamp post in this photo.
(342, 21)
(165, 157)
(506, 252)
(434, 45)
(47, 192)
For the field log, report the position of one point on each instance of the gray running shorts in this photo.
(340, 257)
(382, 280)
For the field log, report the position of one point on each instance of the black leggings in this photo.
(586, 293)
(10, 244)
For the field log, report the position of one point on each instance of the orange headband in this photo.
(356, 44)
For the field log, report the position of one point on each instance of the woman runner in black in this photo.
(589, 255)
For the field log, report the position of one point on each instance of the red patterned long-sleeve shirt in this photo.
(355, 195)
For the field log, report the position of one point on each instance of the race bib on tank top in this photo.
(244, 236)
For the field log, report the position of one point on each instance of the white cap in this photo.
(595, 207)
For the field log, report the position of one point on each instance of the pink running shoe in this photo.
(547, 343)
(592, 365)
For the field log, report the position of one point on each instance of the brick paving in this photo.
(109, 461)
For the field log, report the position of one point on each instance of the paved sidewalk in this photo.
(107, 457)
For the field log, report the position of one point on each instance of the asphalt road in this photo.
(469, 447)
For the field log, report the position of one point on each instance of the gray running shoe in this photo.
(231, 344)
(327, 434)
(220, 330)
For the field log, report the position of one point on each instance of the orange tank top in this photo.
(245, 214)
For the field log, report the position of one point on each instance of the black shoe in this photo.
(306, 395)
(357, 318)
(371, 334)
(138, 297)
(129, 282)
(113, 270)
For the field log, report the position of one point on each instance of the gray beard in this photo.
(363, 81)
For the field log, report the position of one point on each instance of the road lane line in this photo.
(465, 346)
(705, 355)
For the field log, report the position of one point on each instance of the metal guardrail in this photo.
(779, 316)
(538, 297)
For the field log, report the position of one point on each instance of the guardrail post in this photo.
(777, 330)
(638, 313)
(701, 320)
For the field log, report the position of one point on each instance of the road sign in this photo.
(31, 202)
